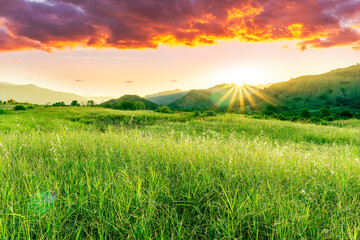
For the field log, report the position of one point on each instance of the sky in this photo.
(116, 47)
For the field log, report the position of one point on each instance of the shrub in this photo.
(19, 108)
(209, 113)
(323, 97)
(2, 111)
(330, 118)
(75, 103)
(59, 104)
(315, 120)
(346, 114)
(164, 109)
(325, 112)
(196, 114)
(126, 105)
(140, 105)
(305, 113)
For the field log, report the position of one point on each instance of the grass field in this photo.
(93, 173)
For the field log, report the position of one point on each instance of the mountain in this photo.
(167, 97)
(130, 98)
(219, 97)
(337, 88)
(194, 100)
(34, 94)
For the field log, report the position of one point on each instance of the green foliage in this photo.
(325, 112)
(195, 100)
(323, 97)
(339, 87)
(209, 113)
(132, 102)
(11, 101)
(140, 105)
(2, 111)
(305, 113)
(90, 103)
(19, 108)
(346, 114)
(59, 104)
(196, 113)
(126, 105)
(164, 109)
(75, 103)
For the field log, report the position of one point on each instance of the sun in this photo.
(240, 75)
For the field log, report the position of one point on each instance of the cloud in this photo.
(174, 81)
(130, 81)
(78, 80)
(138, 24)
(342, 38)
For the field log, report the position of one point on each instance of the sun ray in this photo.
(262, 96)
(221, 100)
(233, 98)
(241, 98)
(251, 100)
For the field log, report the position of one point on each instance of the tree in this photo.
(75, 103)
(346, 114)
(19, 108)
(126, 105)
(59, 104)
(90, 103)
(140, 105)
(11, 101)
(305, 113)
(163, 109)
(325, 112)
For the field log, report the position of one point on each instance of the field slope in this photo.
(92, 173)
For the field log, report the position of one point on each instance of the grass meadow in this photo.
(94, 173)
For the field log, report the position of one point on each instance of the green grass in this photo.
(92, 173)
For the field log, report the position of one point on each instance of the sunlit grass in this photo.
(175, 177)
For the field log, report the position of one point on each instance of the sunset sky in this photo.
(116, 47)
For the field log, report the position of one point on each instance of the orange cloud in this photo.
(138, 24)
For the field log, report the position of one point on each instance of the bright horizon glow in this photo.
(241, 74)
(142, 72)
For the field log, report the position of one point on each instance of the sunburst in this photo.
(241, 93)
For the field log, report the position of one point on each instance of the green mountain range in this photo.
(337, 88)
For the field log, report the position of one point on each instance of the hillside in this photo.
(129, 98)
(34, 94)
(219, 97)
(167, 97)
(337, 88)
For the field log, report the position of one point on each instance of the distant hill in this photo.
(340, 87)
(194, 100)
(219, 97)
(34, 94)
(167, 97)
(131, 98)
